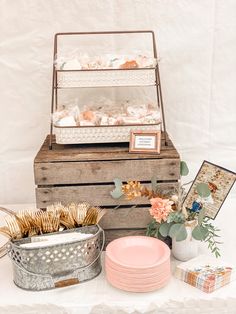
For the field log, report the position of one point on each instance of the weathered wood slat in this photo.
(133, 217)
(115, 234)
(106, 171)
(117, 151)
(98, 195)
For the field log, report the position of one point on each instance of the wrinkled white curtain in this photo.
(197, 49)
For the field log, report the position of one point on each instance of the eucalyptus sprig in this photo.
(212, 236)
(207, 232)
(153, 229)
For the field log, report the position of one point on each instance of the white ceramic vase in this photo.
(186, 249)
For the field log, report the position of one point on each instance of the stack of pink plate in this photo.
(137, 263)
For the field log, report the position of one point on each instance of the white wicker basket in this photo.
(93, 78)
(99, 134)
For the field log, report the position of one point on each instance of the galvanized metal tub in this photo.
(57, 265)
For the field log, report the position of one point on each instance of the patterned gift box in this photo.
(205, 273)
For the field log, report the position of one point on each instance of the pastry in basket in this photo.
(107, 112)
(129, 65)
(71, 64)
(84, 61)
(67, 121)
(66, 117)
(88, 115)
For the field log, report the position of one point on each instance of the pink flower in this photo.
(160, 208)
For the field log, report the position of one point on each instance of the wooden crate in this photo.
(75, 173)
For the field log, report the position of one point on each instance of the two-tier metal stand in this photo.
(117, 77)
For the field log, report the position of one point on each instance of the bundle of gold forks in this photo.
(56, 217)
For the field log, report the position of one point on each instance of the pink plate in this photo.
(140, 277)
(137, 281)
(134, 271)
(138, 252)
(138, 288)
(153, 272)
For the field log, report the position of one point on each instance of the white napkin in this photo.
(56, 239)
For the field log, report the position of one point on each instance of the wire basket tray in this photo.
(99, 78)
(101, 134)
(57, 265)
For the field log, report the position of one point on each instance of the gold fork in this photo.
(56, 222)
(26, 221)
(91, 216)
(94, 215)
(5, 231)
(45, 224)
(36, 217)
(67, 219)
(13, 227)
(78, 212)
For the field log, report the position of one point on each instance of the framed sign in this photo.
(219, 181)
(145, 142)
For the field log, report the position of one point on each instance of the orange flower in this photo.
(160, 208)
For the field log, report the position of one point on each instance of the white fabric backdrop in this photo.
(197, 47)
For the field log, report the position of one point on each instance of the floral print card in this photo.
(219, 181)
(205, 273)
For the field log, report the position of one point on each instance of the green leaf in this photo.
(203, 190)
(199, 233)
(148, 232)
(204, 231)
(183, 168)
(176, 217)
(117, 192)
(164, 229)
(173, 230)
(156, 233)
(152, 228)
(178, 231)
(201, 215)
(217, 254)
(182, 234)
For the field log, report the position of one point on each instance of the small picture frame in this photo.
(219, 181)
(148, 142)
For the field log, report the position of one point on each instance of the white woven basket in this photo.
(91, 78)
(101, 134)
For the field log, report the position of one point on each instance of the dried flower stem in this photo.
(134, 189)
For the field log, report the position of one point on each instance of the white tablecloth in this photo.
(98, 297)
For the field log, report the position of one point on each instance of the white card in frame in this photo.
(145, 142)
